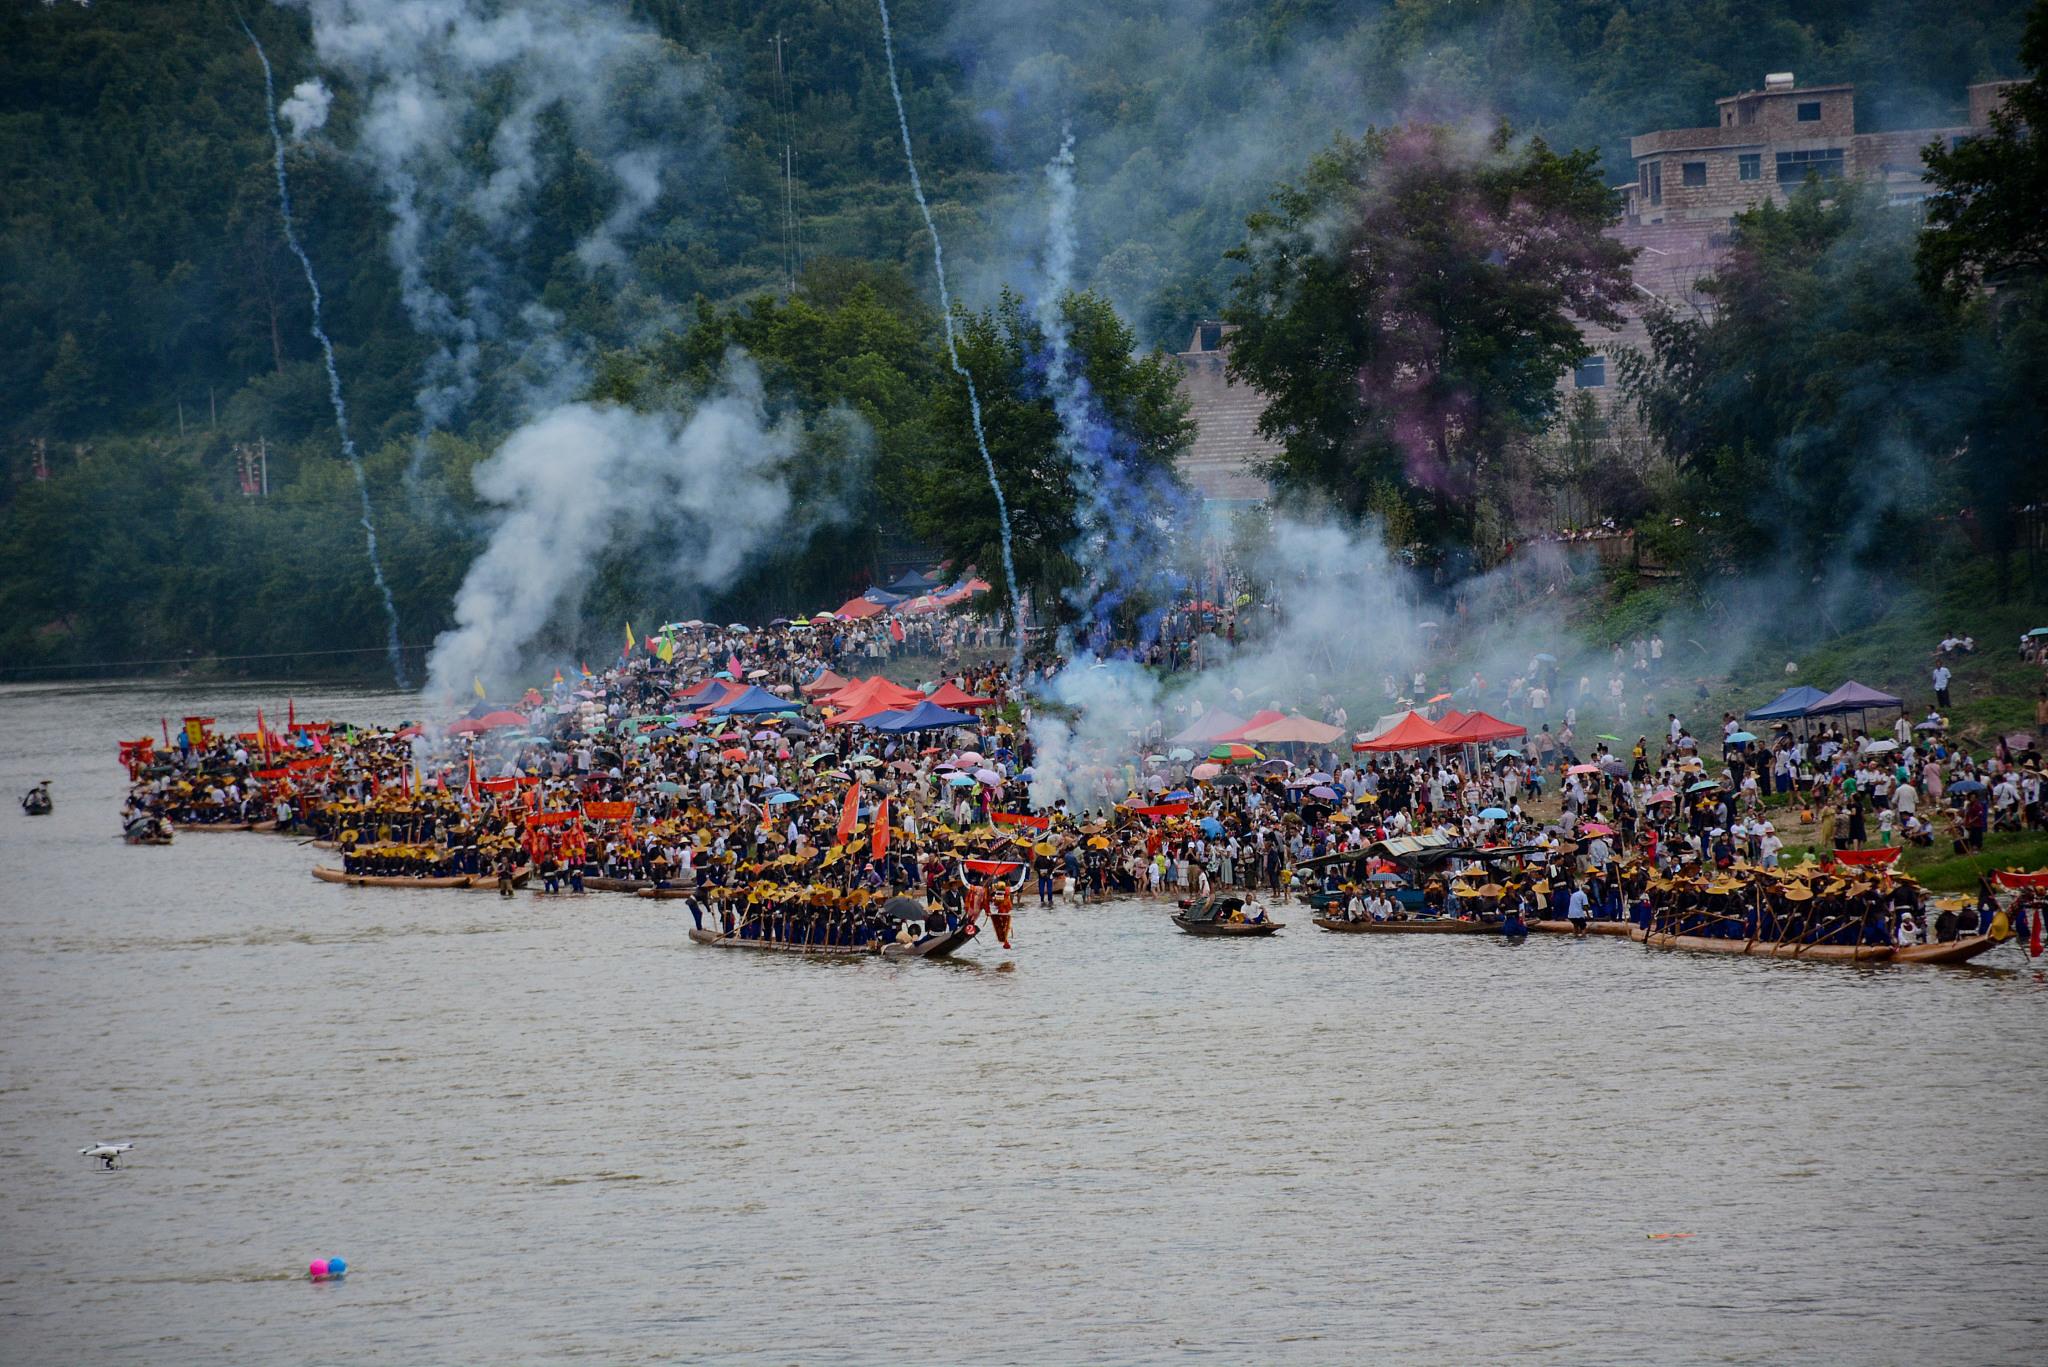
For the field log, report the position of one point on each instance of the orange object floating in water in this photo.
(1668, 1236)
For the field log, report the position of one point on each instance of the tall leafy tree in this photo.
(1408, 307)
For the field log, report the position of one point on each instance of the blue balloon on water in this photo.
(336, 1267)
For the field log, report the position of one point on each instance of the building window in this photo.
(1819, 163)
(1809, 111)
(1695, 173)
(1591, 374)
(1750, 165)
(1656, 174)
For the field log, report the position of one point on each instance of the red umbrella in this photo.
(490, 721)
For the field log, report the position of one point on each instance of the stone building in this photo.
(1222, 466)
(1763, 145)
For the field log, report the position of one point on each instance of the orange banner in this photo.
(1036, 823)
(609, 811)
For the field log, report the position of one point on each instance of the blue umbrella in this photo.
(1178, 795)
(1968, 785)
(779, 798)
(1740, 737)
(1702, 786)
(1493, 814)
(960, 781)
(1211, 826)
(1325, 793)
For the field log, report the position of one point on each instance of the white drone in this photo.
(106, 1153)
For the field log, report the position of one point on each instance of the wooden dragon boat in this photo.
(1422, 925)
(1954, 952)
(214, 825)
(601, 883)
(1621, 928)
(378, 880)
(1767, 949)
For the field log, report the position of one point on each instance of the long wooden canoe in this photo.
(600, 883)
(377, 880)
(1954, 952)
(1621, 928)
(712, 937)
(659, 894)
(1708, 944)
(1433, 925)
(212, 825)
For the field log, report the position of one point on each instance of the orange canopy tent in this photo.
(1265, 717)
(1294, 730)
(1412, 732)
(855, 608)
(828, 682)
(878, 689)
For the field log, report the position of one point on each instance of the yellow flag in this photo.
(629, 638)
(478, 684)
(668, 649)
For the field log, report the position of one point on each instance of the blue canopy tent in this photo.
(1791, 704)
(752, 703)
(926, 716)
(1852, 697)
(884, 597)
(912, 584)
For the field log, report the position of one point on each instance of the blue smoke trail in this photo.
(1126, 507)
(953, 351)
(348, 444)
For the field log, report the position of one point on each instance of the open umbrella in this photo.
(1206, 771)
(1386, 878)
(1968, 785)
(864, 761)
(1183, 754)
(1494, 814)
(1740, 738)
(1583, 769)
(1327, 794)
(1211, 826)
(1235, 754)
(1702, 786)
(779, 799)
(960, 781)
(988, 776)
(1882, 747)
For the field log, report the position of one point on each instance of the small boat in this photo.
(938, 944)
(1767, 949)
(37, 801)
(1222, 915)
(147, 830)
(1419, 925)
(1954, 952)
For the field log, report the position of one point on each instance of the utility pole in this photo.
(181, 418)
(212, 414)
(263, 463)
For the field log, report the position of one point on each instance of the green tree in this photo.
(1408, 307)
(1825, 386)
(1990, 207)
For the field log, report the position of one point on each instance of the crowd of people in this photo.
(779, 782)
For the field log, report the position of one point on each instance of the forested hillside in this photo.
(151, 317)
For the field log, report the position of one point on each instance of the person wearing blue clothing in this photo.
(1575, 911)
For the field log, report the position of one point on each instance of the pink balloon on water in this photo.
(317, 1268)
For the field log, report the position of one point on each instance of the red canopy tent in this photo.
(1478, 726)
(1295, 731)
(828, 682)
(1412, 732)
(866, 711)
(1450, 720)
(855, 608)
(949, 694)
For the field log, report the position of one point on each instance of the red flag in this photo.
(291, 714)
(849, 815)
(2034, 932)
(732, 667)
(1036, 823)
(166, 721)
(881, 840)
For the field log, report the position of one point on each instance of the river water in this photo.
(553, 1128)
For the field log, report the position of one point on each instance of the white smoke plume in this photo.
(459, 99)
(306, 108)
(710, 484)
